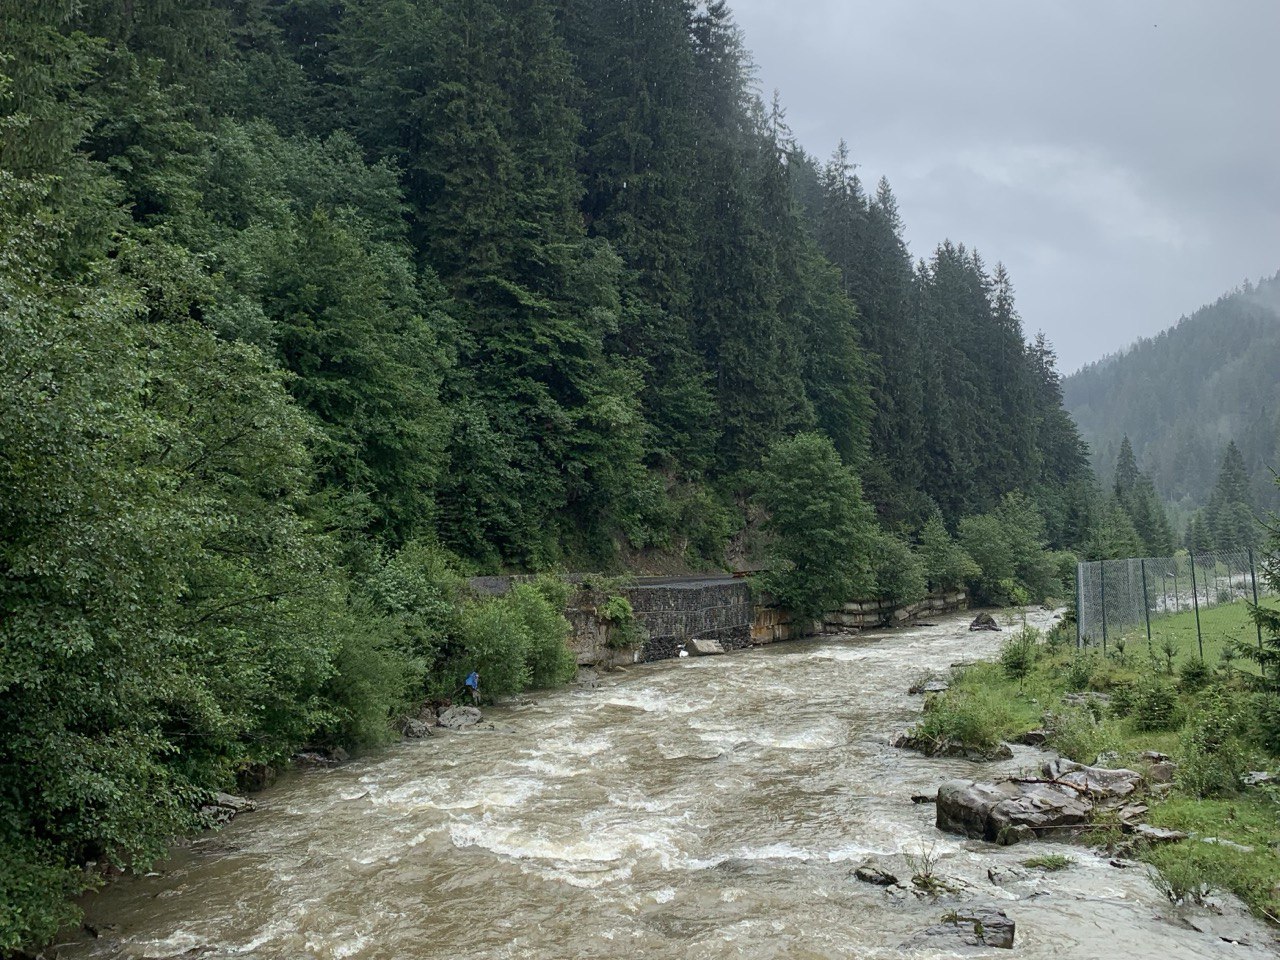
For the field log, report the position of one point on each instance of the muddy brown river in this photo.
(700, 808)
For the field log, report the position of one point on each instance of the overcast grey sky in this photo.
(1122, 157)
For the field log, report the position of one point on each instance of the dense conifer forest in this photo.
(1198, 401)
(309, 309)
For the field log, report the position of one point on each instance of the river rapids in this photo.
(699, 808)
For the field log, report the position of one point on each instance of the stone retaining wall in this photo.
(670, 613)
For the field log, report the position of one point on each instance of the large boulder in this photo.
(703, 647)
(459, 718)
(984, 621)
(1010, 812)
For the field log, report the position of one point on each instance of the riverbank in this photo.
(700, 807)
(1199, 736)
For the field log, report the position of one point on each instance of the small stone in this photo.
(1243, 848)
(1034, 738)
(984, 621)
(1257, 778)
(1162, 772)
(923, 798)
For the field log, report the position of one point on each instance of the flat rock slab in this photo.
(967, 928)
(951, 748)
(1099, 783)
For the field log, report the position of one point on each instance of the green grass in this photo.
(989, 702)
(1219, 626)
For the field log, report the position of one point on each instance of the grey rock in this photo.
(1034, 738)
(459, 718)
(1099, 783)
(984, 621)
(224, 807)
(416, 729)
(923, 798)
(1218, 842)
(1001, 875)
(875, 876)
(1157, 835)
(702, 647)
(1010, 812)
(1162, 772)
(929, 686)
(1257, 778)
(968, 927)
(1155, 756)
(951, 748)
(1087, 698)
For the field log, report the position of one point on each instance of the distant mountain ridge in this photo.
(1181, 395)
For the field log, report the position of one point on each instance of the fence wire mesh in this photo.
(1119, 599)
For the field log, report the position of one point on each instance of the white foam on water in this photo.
(824, 737)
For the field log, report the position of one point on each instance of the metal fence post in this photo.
(1146, 607)
(1253, 575)
(1195, 598)
(1102, 566)
(1177, 604)
(1079, 608)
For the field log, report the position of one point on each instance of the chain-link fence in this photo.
(1118, 600)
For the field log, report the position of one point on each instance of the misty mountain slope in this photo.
(1181, 395)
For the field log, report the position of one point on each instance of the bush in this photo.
(1194, 675)
(1018, 654)
(1155, 704)
(1082, 737)
(1214, 754)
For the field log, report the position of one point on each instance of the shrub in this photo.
(1194, 675)
(1155, 704)
(1082, 737)
(1018, 655)
(1214, 755)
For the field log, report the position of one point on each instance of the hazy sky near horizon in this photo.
(1121, 158)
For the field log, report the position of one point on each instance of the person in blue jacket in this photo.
(473, 686)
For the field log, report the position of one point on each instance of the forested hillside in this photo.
(307, 309)
(1182, 396)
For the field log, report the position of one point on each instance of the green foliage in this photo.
(1018, 654)
(897, 571)
(1155, 704)
(1008, 547)
(946, 564)
(305, 309)
(825, 533)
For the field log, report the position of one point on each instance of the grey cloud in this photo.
(1119, 157)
